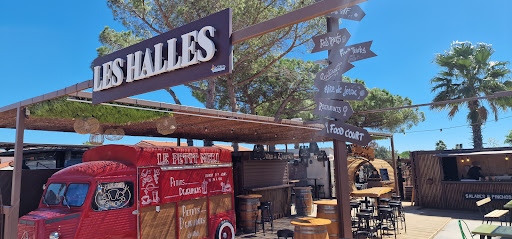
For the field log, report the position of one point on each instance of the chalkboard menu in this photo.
(384, 174)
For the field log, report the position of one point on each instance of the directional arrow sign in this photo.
(352, 53)
(354, 13)
(344, 132)
(331, 40)
(340, 110)
(333, 71)
(337, 90)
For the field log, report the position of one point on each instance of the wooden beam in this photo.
(300, 15)
(342, 189)
(11, 219)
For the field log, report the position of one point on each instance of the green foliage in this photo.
(405, 154)
(469, 72)
(251, 58)
(61, 108)
(382, 152)
(390, 121)
(440, 145)
(508, 138)
(114, 41)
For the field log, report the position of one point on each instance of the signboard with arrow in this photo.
(337, 90)
(354, 13)
(345, 132)
(331, 40)
(340, 110)
(352, 53)
(333, 71)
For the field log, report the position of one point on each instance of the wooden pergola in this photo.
(192, 123)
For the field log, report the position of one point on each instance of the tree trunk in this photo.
(476, 127)
(174, 97)
(210, 103)
(232, 97)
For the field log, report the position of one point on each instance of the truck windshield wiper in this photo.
(44, 201)
(66, 201)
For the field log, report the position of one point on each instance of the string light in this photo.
(458, 126)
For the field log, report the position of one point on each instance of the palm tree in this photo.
(468, 72)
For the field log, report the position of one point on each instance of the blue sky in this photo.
(50, 45)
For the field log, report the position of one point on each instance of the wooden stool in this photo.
(311, 228)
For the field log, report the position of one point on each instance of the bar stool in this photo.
(266, 215)
(398, 210)
(365, 228)
(384, 201)
(396, 198)
(387, 220)
(354, 209)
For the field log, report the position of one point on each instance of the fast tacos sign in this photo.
(196, 51)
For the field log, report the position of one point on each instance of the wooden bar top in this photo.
(371, 192)
(310, 222)
(306, 188)
(250, 196)
(327, 202)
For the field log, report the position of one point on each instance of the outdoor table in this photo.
(375, 192)
(310, 227)
(509, 207)
(492, 231)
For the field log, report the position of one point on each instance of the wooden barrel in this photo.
(310, 228)
(303, 201)
(327, 209)
(248, 211)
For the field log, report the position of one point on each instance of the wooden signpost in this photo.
(352, 53)
(333, 109)
(354, 13)
(331, 40)
(338, 90)
(345, 132)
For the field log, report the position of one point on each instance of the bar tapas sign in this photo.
(193, 52)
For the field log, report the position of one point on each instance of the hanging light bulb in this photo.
(506, 157)
(462, 160)
(467, 159)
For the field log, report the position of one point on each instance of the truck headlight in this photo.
(54, 235)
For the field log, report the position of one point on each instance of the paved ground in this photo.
(421, 223)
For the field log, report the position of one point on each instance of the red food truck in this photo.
(138, 192)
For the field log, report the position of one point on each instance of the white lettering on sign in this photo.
(347, 133)
(330, 41)
(331, 72)
(196, 47)
(190, 191)
(184, 158)
(337, 109)
(209, 158)
(163, 158)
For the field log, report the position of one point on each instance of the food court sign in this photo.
(196, 51)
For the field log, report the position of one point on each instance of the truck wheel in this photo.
(225, 230)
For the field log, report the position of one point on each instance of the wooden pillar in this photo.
(11, 217)
(342, 188)
(394, 164)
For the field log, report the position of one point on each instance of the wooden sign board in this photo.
(338, 90)
(340, 110)
(352, 53)
(354, 13)
(345, 132)
(193, 52)
(333, 71)
(193, 218)
(331, 40)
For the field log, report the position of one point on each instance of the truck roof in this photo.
(96, 169)
(140, 156)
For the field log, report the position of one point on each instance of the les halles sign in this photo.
(196, 51)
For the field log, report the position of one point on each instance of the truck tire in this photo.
(225, 230)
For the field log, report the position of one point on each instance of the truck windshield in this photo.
(54, 193)
(76, 193)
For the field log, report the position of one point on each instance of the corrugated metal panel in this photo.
(262, 173)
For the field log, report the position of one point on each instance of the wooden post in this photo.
(11, 217)
(394, 164)
(342, 188)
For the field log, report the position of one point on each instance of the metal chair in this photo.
(387, 221)
(398, 210)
